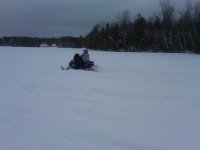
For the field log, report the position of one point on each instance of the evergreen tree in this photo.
(140, 37)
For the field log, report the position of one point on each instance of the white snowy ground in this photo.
(138, 101)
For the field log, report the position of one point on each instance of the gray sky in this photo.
(48, 18)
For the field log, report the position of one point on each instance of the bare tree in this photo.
(196, 12)
(168, 19)
(167, 13)
(186, 14)
(185, 22)
(196, 25)
(124, 18)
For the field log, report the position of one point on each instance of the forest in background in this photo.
(168, 30)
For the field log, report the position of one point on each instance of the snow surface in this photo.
(137, 101)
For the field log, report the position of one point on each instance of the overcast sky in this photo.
(48, 18)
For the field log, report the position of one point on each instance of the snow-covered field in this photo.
(137, 101)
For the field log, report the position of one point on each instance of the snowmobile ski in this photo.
(92, 68)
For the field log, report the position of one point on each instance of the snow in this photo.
(137, 101)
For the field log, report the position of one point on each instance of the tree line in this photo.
(163, 31)
(67, 41)
(168, 30)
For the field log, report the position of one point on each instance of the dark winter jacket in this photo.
(77, 62)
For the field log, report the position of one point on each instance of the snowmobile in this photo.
(77, 63)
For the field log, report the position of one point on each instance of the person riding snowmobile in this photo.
(86, 59)
(77, 62)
